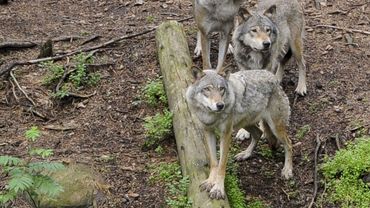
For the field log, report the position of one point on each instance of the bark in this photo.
(176, 63)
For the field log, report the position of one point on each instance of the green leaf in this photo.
(44, 153)
(9, 161)
(47, 186)
(20, 182)
(33, 133)
(45, 166)
(7, 196)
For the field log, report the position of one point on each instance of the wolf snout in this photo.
(220, 105)
(266, 44)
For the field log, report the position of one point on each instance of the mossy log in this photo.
(176, 63)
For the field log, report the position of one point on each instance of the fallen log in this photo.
(175, 62)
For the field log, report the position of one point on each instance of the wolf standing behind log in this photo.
(268, 38)
(214, 16)
(223, 101)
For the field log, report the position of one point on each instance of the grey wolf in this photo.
(268, 37)
(214, 16)
(223, 101)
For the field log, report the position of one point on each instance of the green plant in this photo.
(27, 176)
(153, 93)
(176, 184)
(343, 174)
(150, 19)
(157, 128)
(234, 194)
(54, 72)
(74, 79)
(256, 203)
(159, 150)
(301, 132)
(266, 151)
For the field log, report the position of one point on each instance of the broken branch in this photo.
(21, 44)
(345, 29)
(21, 89)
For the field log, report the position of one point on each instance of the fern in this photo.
(33, 134)
(44, 153)
(9, 161)
(45, 166)
(20, 182)
(47, 186)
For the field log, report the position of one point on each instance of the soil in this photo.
(109, 124)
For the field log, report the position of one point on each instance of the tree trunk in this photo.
(176, 63)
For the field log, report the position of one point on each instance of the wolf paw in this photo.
(243, 155)
(301, 90)
(217, 192)
(230, 49)
(242, 134)
(197, 51)
(206, 185)
(287, 173)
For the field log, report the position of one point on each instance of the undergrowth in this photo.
(176, 185)
(344, 172)
(301, 132)
(75, 78)
(154, 93)
(29, 177)
(157, 128)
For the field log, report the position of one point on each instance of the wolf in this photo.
(223, 101)
(214, 16)
(269, 36)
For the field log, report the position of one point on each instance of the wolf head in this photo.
(210, 90)
(257, 31)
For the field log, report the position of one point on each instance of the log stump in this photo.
(175, 62)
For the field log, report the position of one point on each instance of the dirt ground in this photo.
(110, 122)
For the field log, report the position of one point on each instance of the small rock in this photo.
(337, 109)
(139, 2)
(133, 195)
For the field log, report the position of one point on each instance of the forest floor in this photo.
(110, 123)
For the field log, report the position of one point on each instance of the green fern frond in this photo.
(44, 153)
(47, 186)
(20, 182)
(7, 196)
(9, 161)
(33, 133)
(45, 166)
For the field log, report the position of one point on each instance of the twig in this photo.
(287, 195)
(90, 39)
(36, 113)
(337, 142)
(13, 89)
(21, 89)
(345, 29)
(60, 128)
(66, 38)
(318, 144)
(6, 69)
(72, 94)
(21, 44)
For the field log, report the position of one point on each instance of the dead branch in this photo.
(91, 39)
(20, 88)
(345, 29)
(13, 89)
(76, 95)
(60, 127)
(38, 114)
(66, 38)
(318, 144)
(8, 67)
(20, 44)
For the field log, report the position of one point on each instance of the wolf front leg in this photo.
(218, 190)
(223, 46)
(212, 157)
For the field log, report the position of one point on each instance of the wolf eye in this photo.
(268, 30)
(222, 90)
(207, 89)
(254, 30)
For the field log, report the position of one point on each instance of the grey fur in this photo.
(214, 16)
(249, 96)
(287, 26)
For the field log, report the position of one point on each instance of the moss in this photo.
(343, 174)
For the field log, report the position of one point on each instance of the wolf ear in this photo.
(244, 14)
(270, 12)
(197, 73)
(226, 71)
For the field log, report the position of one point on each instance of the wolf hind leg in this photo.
(296, 44)
(277, 126)
(256, 134)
